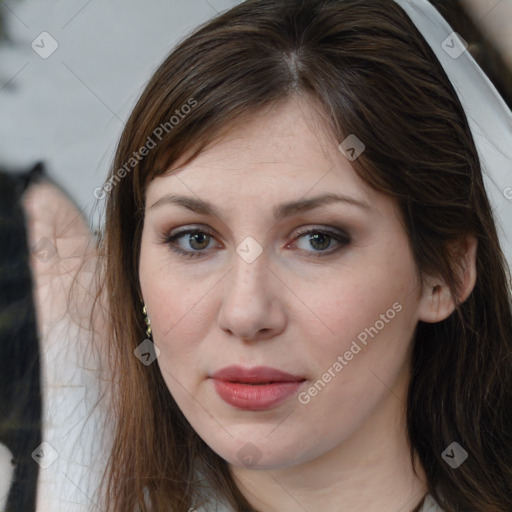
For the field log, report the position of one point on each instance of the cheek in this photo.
(173, 297)
(179, 320)
(369, 312)
(364, 354)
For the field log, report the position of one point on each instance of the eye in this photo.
(194, 243)
(321, 240)
(196, 240)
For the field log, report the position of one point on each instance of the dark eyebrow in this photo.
(280, 212)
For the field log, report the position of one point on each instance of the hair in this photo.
(373, 74)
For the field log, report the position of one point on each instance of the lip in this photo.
(255, 389)
(254, 375)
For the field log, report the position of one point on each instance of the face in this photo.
(269, 278)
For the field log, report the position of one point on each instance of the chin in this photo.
(254, 448)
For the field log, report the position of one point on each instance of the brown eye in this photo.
(193, 246)
(197, 240)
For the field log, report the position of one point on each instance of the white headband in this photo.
(489, 117)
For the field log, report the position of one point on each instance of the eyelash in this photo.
(342, 239)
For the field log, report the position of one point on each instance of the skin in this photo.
(293, 311)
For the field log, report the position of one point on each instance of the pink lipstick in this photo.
(255, 389)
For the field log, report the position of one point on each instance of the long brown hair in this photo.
(374, 76)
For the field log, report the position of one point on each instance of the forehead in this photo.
(289, 146)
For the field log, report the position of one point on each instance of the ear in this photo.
(437, 303)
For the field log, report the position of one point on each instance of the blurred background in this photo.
(70, 72)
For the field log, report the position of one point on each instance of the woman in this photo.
(343, 344)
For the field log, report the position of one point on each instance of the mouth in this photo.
(258, 375)
(255, 389)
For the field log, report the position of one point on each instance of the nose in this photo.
(252, 305)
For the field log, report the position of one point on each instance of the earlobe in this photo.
(437, 303)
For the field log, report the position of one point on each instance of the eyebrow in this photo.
(280, 212)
